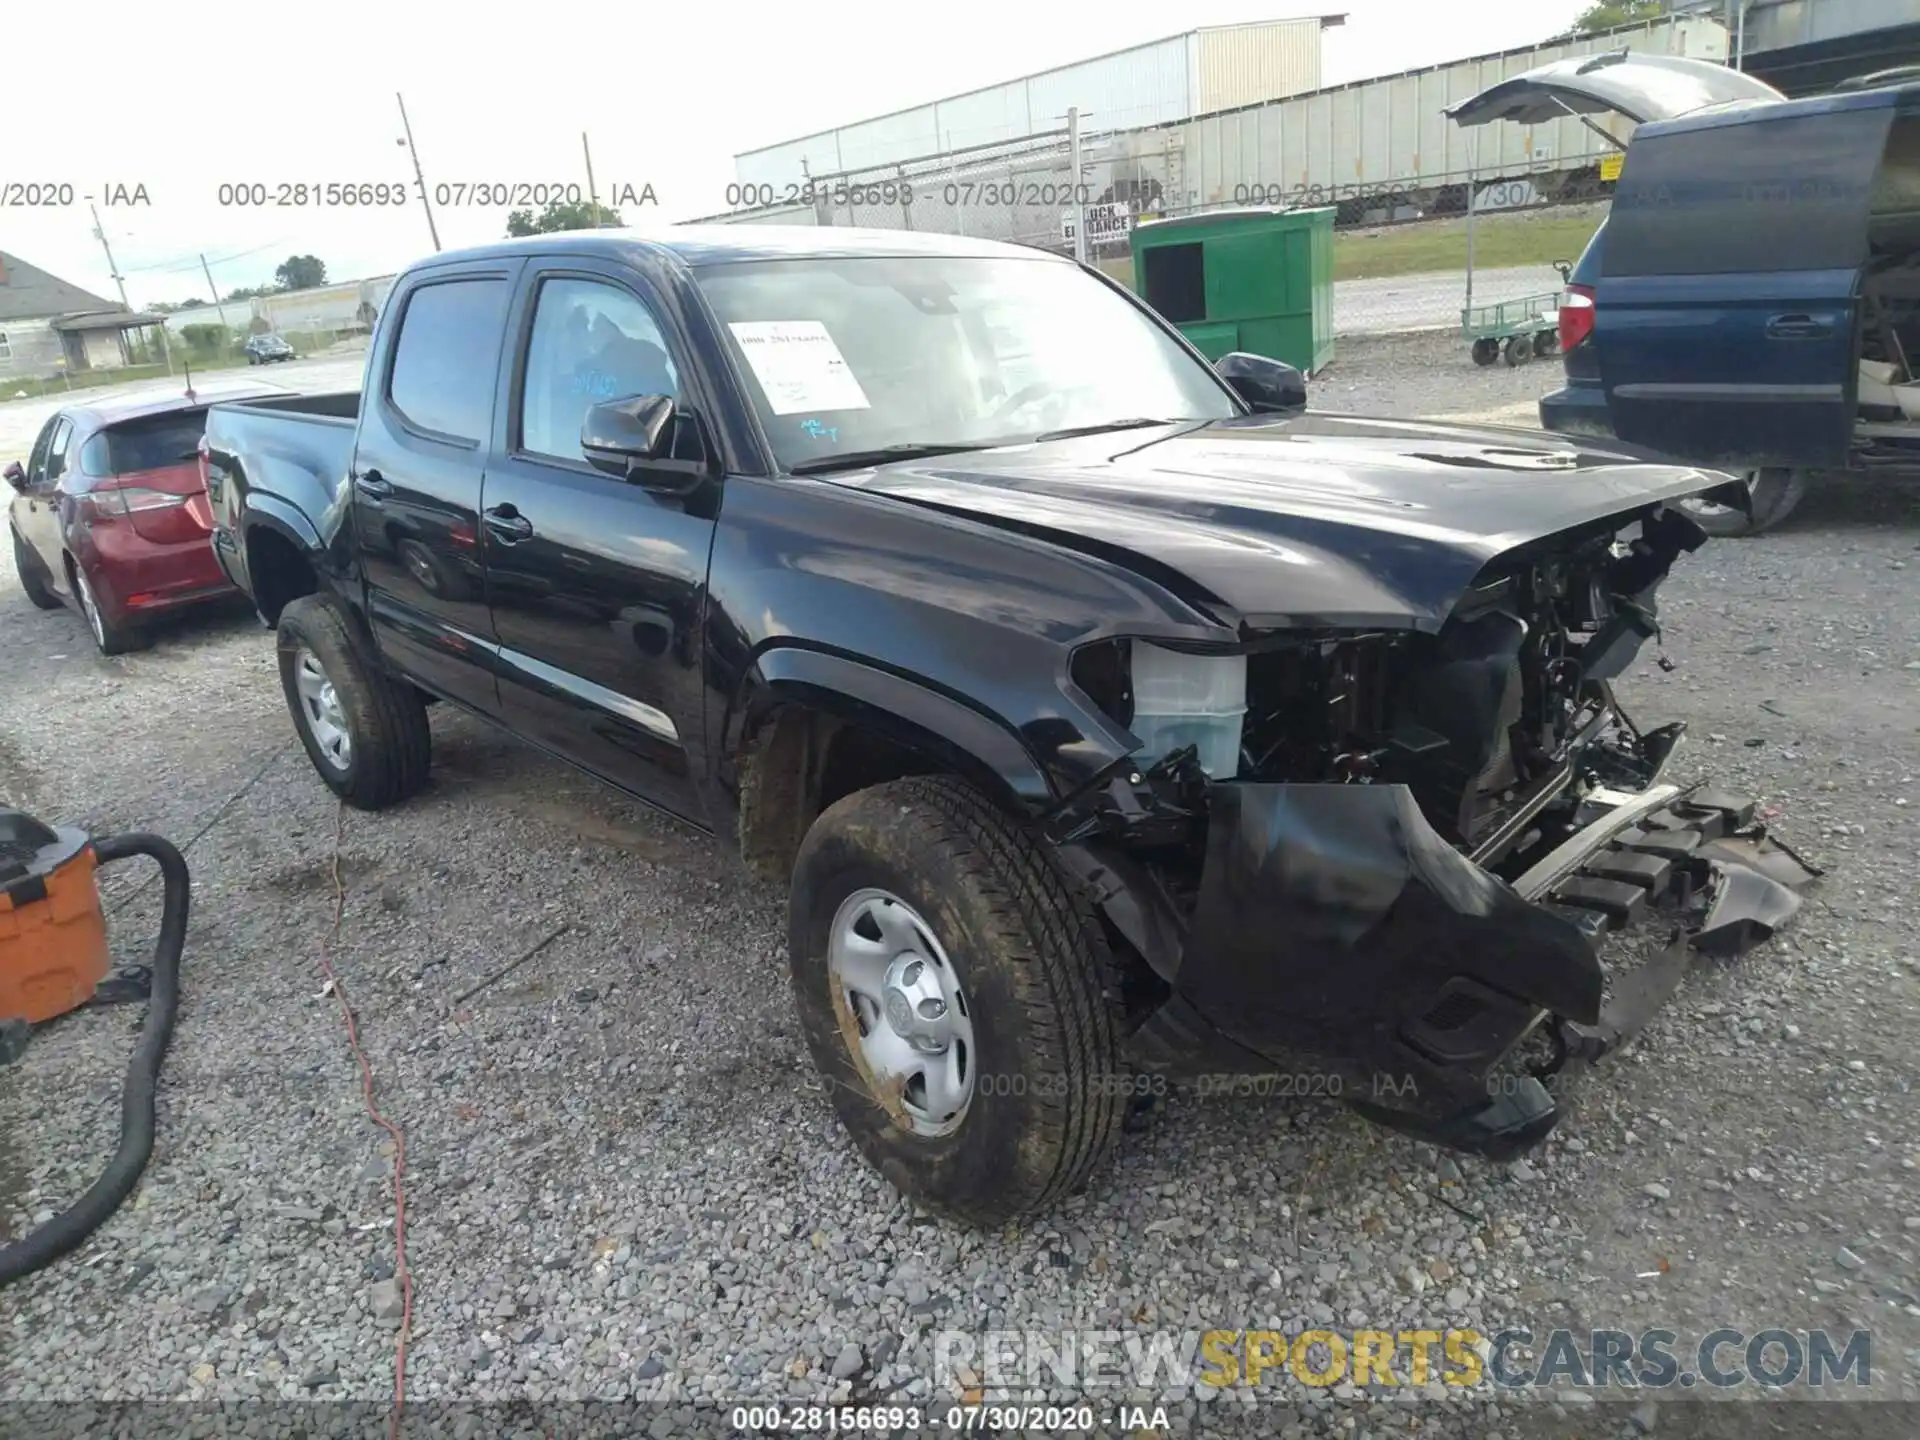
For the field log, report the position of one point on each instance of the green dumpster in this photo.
(1260, 281)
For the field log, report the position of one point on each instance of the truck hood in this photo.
(1317, 520)
(1641, 87)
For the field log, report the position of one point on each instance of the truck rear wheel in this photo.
(952, 992)
(1772, 493)
(365, 731)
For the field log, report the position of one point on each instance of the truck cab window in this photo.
(591, 343)
(435, 383)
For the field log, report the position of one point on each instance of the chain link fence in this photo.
(1402, 257)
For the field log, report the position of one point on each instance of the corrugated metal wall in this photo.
(1803, 22)
(1144, 86)
(1359, 144)
(1392, 130)
(1237, 65)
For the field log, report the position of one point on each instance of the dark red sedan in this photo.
(110, 511)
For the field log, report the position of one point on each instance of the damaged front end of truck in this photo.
(1404, 871)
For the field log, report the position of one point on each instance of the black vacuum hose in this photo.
(79, 1220)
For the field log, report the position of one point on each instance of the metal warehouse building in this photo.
(1216, 68)
(1212, 118)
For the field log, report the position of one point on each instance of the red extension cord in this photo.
(399, 1140)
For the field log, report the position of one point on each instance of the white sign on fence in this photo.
(1104, 222)
(1506, 195)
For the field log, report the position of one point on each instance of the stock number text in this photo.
(300, 194)
(808, 192)
(1274, 194)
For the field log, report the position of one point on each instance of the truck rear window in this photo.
(149, 443)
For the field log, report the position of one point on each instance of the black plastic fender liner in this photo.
(71, 1226)
(1330, 916)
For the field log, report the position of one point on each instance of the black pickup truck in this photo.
(1109, 716)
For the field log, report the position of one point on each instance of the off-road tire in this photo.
(392, 748)
(33, 575)
(1050, 1092)
(1775, 492)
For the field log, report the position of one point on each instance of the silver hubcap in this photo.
(903, 1011)
(320, 709)
(91, 610)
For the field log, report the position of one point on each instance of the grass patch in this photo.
(11, 388)
(1498, 241)
(1422, 246)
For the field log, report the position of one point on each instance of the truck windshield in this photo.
(847, 356)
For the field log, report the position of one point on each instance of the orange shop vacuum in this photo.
(54, 959)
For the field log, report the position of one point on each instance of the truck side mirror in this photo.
(647, 440)
(1269, 386)
(16, 477)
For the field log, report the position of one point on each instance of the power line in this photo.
(166, 267)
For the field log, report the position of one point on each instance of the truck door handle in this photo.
(1797, 327)
(508, 525)
(373, 485)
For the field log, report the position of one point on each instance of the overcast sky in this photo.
(182, 99)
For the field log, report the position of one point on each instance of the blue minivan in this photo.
(1753, 297)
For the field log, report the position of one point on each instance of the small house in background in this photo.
(50, 327)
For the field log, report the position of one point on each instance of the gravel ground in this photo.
(622, 1179)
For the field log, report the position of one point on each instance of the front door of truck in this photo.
(418, 462)
(1726, 312)
(597, 583)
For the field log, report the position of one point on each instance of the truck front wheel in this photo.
(952, 992)
(365, 731)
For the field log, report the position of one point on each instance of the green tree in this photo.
(1606, 14)
(578, 215)
(301, 272)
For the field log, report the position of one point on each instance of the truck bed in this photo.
(336, 407)
(285, 459)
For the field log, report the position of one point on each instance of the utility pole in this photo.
(593, 195)
(1073, 182)
(100, 234)
(419, 178)
(213, 289)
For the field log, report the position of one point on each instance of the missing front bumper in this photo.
(1333, 921)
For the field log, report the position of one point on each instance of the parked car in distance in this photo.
(1040, 659)
(266, 349)
(109, 512)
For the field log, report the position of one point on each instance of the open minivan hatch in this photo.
(1758, 301)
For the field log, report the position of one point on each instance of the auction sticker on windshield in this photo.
(798, 365)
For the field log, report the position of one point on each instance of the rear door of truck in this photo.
(426, 419)
(1727, 309)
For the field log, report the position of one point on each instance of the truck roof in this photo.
(722, 244)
